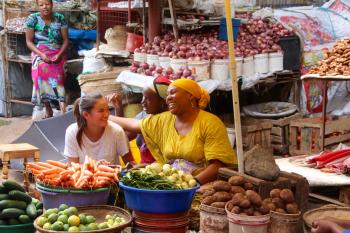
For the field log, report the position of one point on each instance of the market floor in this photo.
(12, 128)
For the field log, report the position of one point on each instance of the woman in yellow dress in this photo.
(186, 136)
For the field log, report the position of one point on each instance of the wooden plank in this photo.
(336, 139)
(328, 199)
(344, 194)
(317, 139)
(340, 125)
(286, 120)
(276, 139)
(268, 138)
(276, 130)
(293, 143)
(306, 139)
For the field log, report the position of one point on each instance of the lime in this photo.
(73, 210)
(92, 226)
(83, 219)
(52, 218)
(82, 227)
(65, 227)
(41, 221)
(67, 212)
(90, 219)
(63, 218)
(47, 226)
(50, 211)
(74, 220)
(73, 229)
(102, 225)
(57, 226)
(63, 207)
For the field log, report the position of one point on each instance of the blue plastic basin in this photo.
(158, 201)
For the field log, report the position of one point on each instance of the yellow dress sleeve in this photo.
(217, 145)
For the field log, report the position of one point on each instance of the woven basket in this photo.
(103, 83)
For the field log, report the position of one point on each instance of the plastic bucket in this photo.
(247, 224)
(284, 223)
(275, 61)
(173, 223)
(239, 66)
(231, 136)
(133, 41)
(248, 66)
(176, 64)
(261, 63)
(219, 69)
(164, 62)
(213, 220)
(140, 57)
(21, 228)
(52, 198)
(200, 69)
(153, 59)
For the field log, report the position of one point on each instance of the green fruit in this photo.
(35, 201)
(31, 211)
(90, 219)
(73, 210)
(39, 212)
(47, 226)
(63, 207)
(41, 221)
(57, 226)
(82, 219)
(66, 227)
(93, 226)
(83, 228)
(67, 212)
(74, 220)
(20, 196)
(4, 204)
(102, 225)
(50, 211)
(12, 213)
(13, 221)
(63, 218)
(73, 229)
(3, 222)
(52, 218)
(39, 205)
(11, 185)
(24, 218)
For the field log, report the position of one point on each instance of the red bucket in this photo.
(133, 41)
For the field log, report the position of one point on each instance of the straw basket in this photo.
(116, 37)
(103, 83)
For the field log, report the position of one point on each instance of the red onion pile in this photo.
(155, 71)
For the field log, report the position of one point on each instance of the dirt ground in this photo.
(12, 128)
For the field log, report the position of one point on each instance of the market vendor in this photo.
(153, 102)
(331, 225)
(186, 136)
(94, 135)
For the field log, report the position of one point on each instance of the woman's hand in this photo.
(326, 226)
(56, 58)
(45, 58)
(115, 99)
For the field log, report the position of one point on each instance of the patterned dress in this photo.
(48, 78)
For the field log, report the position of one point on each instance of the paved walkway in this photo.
(12, 128)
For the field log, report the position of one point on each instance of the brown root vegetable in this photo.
(287, 195)
(236, 180)
(292, 208)
(221, 185)
(245, 203)
(267, 200)
(264, 209)
(278, 202)
(237, 198)
(253, 197)
(257, 213)
(249, 211)
(248, 186)
(236, 210)
(222, 196)
(271, 206)
(275, 193)
(279, 210)
(209, 200)
(237, 189)
(230, 206)
(208, 193)
(218, 204)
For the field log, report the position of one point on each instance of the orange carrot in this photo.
(106, 174)
(52, 171)
(57, 164)
(105, 168)
(45, 165)
(36, 166)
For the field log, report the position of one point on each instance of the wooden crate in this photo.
(297, 183)
(305, 134)
(280, 134)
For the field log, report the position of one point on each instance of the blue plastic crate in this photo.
(223, 30)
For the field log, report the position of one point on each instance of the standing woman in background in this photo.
(47, 38)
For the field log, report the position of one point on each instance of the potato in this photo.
(279, 210)
(248, 186)
(230, 206)
(292, 208)
(275, 193)
(237, 189)
(208, 193)
(253, 197)
(236, 210)
(222, 196)
(218, 204)
(264, 209)
(249, 211)
(245, 203)
(271, 206)
(278, 202)
(209, 200)
(221, 185)
(236, 180)
(237, 198)
(287, 195)
(267, 200)
(257, 213)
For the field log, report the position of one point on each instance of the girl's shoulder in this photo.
(72, 128)
(114, 127)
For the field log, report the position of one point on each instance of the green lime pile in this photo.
(67, 218)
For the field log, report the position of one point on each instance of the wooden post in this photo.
(173, 19)
(235, 96)
(324, 112)
(98, 25)
(144, 31)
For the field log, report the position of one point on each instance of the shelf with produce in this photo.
(22, 101)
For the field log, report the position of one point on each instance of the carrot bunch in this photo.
(88, 175)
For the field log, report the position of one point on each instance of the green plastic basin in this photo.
(23, 228)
